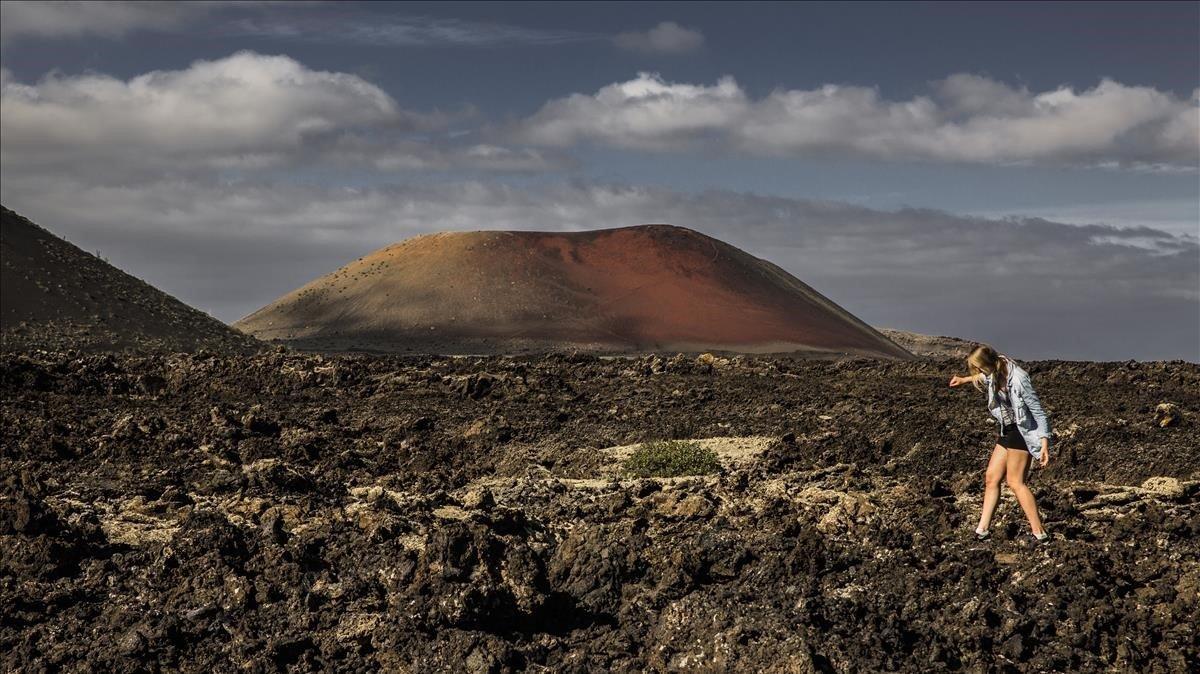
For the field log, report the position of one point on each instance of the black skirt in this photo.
(1010, 438)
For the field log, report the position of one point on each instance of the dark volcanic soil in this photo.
(292, 512)
(55, 296)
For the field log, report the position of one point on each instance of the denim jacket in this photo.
(1032, 420)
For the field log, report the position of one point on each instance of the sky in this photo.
(1021, 174)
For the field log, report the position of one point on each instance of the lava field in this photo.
(296, 512)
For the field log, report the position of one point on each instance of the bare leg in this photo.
(1017, 462)
(997, 466)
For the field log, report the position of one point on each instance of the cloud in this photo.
(1174, 215)
(964, 118)
(667, 37)
(1033, 287)
(245, 112)
(246, 109)
(106, 19)
(360, 149)
(405, 31)
(643, 113)
(307, 22)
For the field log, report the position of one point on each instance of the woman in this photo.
(1024, 430)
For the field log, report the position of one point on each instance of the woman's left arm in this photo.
(1035, 408)
(1043, 420)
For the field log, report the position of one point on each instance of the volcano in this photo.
(630, 289)
(55, 296)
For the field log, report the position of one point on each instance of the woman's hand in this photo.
(958, 381)
(1045, 460)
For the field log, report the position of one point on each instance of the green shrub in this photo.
(671, 458)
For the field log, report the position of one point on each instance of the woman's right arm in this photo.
(958, 381)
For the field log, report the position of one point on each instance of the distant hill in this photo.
(930, 345)
(55, 296)
(650, 287)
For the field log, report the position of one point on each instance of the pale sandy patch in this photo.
(733, 451)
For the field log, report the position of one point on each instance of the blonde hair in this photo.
(987, 360)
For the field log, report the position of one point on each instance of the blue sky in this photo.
(913, 161)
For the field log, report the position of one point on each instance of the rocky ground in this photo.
(356, 513)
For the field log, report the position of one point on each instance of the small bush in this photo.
(671, 458)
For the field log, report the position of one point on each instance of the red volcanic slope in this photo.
(652, 287)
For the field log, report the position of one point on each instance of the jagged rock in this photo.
(256, 421)
(712, 362)
(1169, 487)
(1167, 414)
(479, 499)
(474, 386)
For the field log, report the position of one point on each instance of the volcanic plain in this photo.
(291, 511)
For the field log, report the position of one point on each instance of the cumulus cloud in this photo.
(667, 37)
(244, 109)
(1034, 287)
(244, 112)
(106, 19)
(643, 113)
(964, 118)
